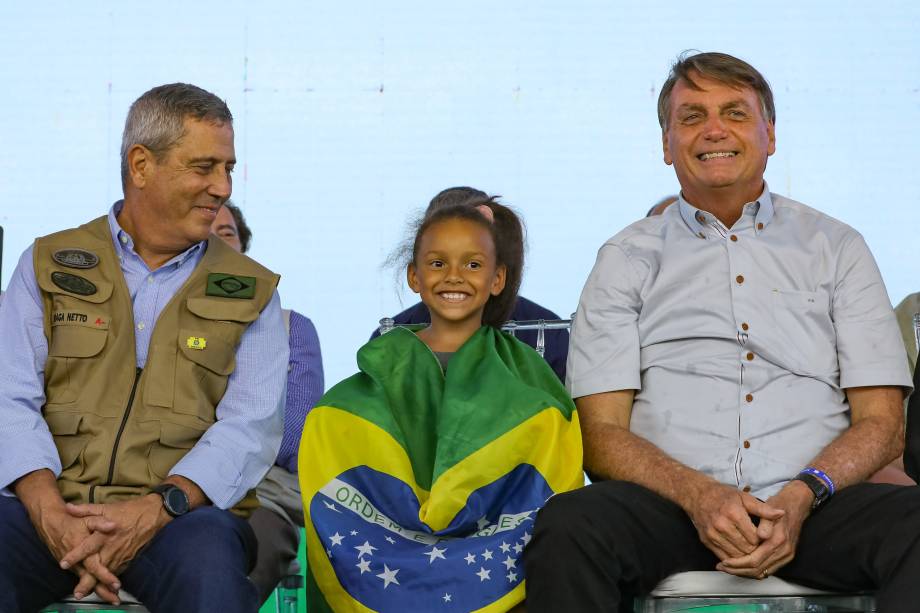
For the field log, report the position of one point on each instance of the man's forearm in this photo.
(37, 491)
(613, 452)
(873, 441)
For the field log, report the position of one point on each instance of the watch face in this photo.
(176, 501)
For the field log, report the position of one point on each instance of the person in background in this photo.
(278, 520)
(734, 395)
(556, 341)
(905, 312)
(141, 391)
(659, 207)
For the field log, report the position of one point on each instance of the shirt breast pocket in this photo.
(805, 331)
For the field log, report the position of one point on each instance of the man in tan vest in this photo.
(142, 379)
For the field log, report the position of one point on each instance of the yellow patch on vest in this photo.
(196, 342)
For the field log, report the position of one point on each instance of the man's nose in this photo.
(221, 185)
(714, 128)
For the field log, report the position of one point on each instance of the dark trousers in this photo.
(596, 548)
(278, 542)
(197, 563)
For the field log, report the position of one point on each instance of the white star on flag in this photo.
(435, 553)
(328, 554)
(526, 537)
(331, 506)
(518, 548)
(505, 547)
(486, 555)
(388, 576)
(354, 533)
(364, 565)
(509, 562)
(336, 539)
(446, 597)
(470, 558)
(366, 549)
(482, 522)
(390, 540)
(483, 574)
(512, 576)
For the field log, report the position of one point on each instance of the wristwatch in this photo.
(175, 501)
(817, 486)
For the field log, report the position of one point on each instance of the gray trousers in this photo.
(276, 524)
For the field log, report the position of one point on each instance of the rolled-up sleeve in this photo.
(869, 347)
(235, 453)
(604, 345)
(25, 441)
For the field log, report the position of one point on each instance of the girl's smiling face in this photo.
(455, 272)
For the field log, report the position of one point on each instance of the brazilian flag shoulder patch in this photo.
(231, 286)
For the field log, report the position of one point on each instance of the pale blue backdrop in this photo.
(349, 115)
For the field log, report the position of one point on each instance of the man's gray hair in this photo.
(156, 119)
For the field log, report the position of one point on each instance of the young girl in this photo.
(422, 474)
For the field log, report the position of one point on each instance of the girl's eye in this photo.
(436, 263)
(475, 265)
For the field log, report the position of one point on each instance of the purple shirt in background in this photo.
(304, 387)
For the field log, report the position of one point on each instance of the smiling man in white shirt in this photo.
(738, 376)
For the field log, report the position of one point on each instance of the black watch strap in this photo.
(817, 487)
(175, 500)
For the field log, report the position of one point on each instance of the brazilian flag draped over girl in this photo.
(420, 488)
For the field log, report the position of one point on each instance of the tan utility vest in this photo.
(118, 429)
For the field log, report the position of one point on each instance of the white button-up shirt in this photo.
(740, 341)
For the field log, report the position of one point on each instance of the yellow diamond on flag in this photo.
(196, 342)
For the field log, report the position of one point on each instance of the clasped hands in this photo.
(723, 518)
(97, 541)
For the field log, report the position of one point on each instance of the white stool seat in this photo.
(94, 603)
(715, 583)
(698, 590)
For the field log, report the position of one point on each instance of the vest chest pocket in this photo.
(66, 367)
(203, 365)
(209, 334)
(70, 444)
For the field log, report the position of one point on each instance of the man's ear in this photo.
(412, 278)
(498, 283)
(664, 147)
(771, 134)
(140, 165)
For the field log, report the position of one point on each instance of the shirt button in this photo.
(701, 235)
(700, 217)
(739, 279)
(124, 239)
(149, 280)
(760, 226)
(744, 326)
(734, 238)
(749, 398)
(746, 489)
(747, 444)
(749, 356)
(140, 326)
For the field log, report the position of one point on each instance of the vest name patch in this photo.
(75, 258)
(231, 286)
(69, 317)
(73, 283)
(196, 342)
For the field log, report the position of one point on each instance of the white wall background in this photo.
(350, 115)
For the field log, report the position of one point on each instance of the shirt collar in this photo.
(697, 220)
(124, 244)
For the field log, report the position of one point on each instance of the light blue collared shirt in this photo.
(234, 453)
(740, 341)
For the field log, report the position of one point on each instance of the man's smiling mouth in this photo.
(716, 154)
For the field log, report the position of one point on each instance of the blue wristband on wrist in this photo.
(820, 474)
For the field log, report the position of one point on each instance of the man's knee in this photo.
(209, 540)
